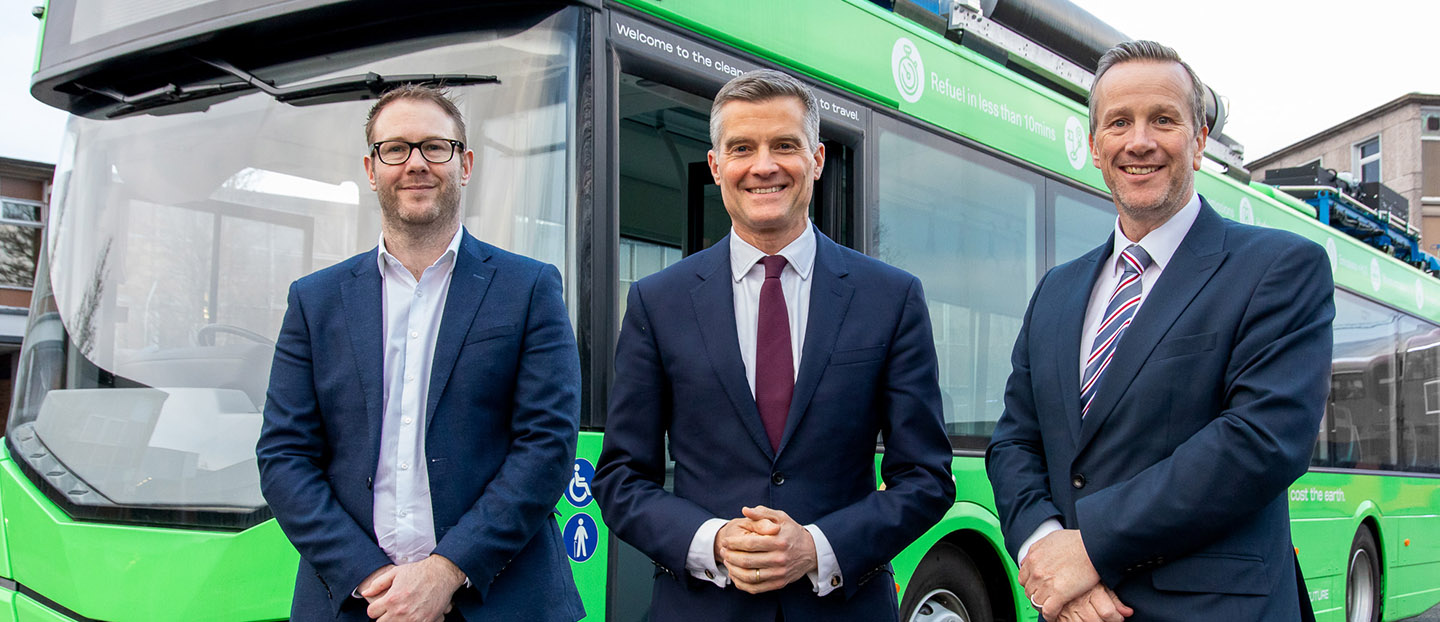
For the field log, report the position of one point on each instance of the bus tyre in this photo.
(1362, 579)
(947, 587)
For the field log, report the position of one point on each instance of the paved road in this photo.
(1433, 615)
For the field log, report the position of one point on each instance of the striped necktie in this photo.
(1118, 313)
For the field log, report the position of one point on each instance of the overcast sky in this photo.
(1290, 68)
(29, 130)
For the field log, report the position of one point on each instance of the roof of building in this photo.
(26, 169)
(1423, 99)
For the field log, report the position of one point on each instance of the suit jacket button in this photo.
(777, 478)
(1078, 481)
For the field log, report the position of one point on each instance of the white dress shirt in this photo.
(795, 282)
(1161, 245)
(411, 311)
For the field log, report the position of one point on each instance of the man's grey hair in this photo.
(1131, 51)
(764, 85)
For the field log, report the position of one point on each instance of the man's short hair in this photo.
(1130, 51)
(417, 92)
(764, 85)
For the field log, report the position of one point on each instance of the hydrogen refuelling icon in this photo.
(578, 492)
(908, 69)
(580, 537)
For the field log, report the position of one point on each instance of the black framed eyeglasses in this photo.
(435, 150)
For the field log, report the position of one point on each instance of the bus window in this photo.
(1420, 396)
(1080, 221)
(1361, 429)
(173, 239)
(664, 136)
(965, 224)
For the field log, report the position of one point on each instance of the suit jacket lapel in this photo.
(1194, 262)
(1071, 329)
(468, 284)
(829, 300)
(363, 297)
(714, 302)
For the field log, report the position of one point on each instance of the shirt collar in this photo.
(384, 257)
(1161, 243)
(799, 253)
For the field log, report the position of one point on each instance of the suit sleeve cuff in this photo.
(700, 562)
(826, 576)
(1046, 528)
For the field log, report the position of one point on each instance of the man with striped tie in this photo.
(1167, 386)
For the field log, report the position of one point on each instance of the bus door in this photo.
(666, 204)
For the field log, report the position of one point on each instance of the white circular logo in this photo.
(908, 69)
(1075, 142)
(1374, 274)
(1247, 212)
(1419, 293)
(1333, 253)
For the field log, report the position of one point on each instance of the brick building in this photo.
(24, 194)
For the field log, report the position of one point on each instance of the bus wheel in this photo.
(1362, 579)
(947, 587)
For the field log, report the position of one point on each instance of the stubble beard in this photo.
(445, 210)
(1157, 214)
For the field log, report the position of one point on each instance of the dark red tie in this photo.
(774, 362)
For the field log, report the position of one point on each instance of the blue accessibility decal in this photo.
(578, 492)
(580, 536)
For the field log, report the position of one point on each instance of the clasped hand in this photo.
(764, 550)
(415, 592)
(1062, 583)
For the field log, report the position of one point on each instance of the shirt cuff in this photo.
(700, 562)
(1046, 528)
(826, 565)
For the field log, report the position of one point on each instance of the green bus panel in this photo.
(27, 610)
(1357, 266)
(970, 95)
(4, 546)
(7, 605)
(589, 574)
(40, 40)
(1327, 509)
(973, 525)
(897, 63)
(123, 573)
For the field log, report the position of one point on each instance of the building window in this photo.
(20, 231)
(1430, 121)
(1367, 159)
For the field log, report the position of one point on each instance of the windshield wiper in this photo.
(346, 88)
(168, 95)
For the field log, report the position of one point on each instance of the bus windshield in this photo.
(173, 240)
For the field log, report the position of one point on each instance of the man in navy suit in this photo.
(421, 419)
(771, 362)
(1167, 386)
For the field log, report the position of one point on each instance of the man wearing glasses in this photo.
(421, 418)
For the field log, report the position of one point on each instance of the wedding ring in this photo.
(757, 575)
(1033, 603)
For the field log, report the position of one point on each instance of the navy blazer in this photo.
(501, 423)
(1208, 412)
(867, 370)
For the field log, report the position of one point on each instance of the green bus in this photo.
(213, 157)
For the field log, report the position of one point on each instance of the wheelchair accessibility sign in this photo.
(578, 492)
(579, 535)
